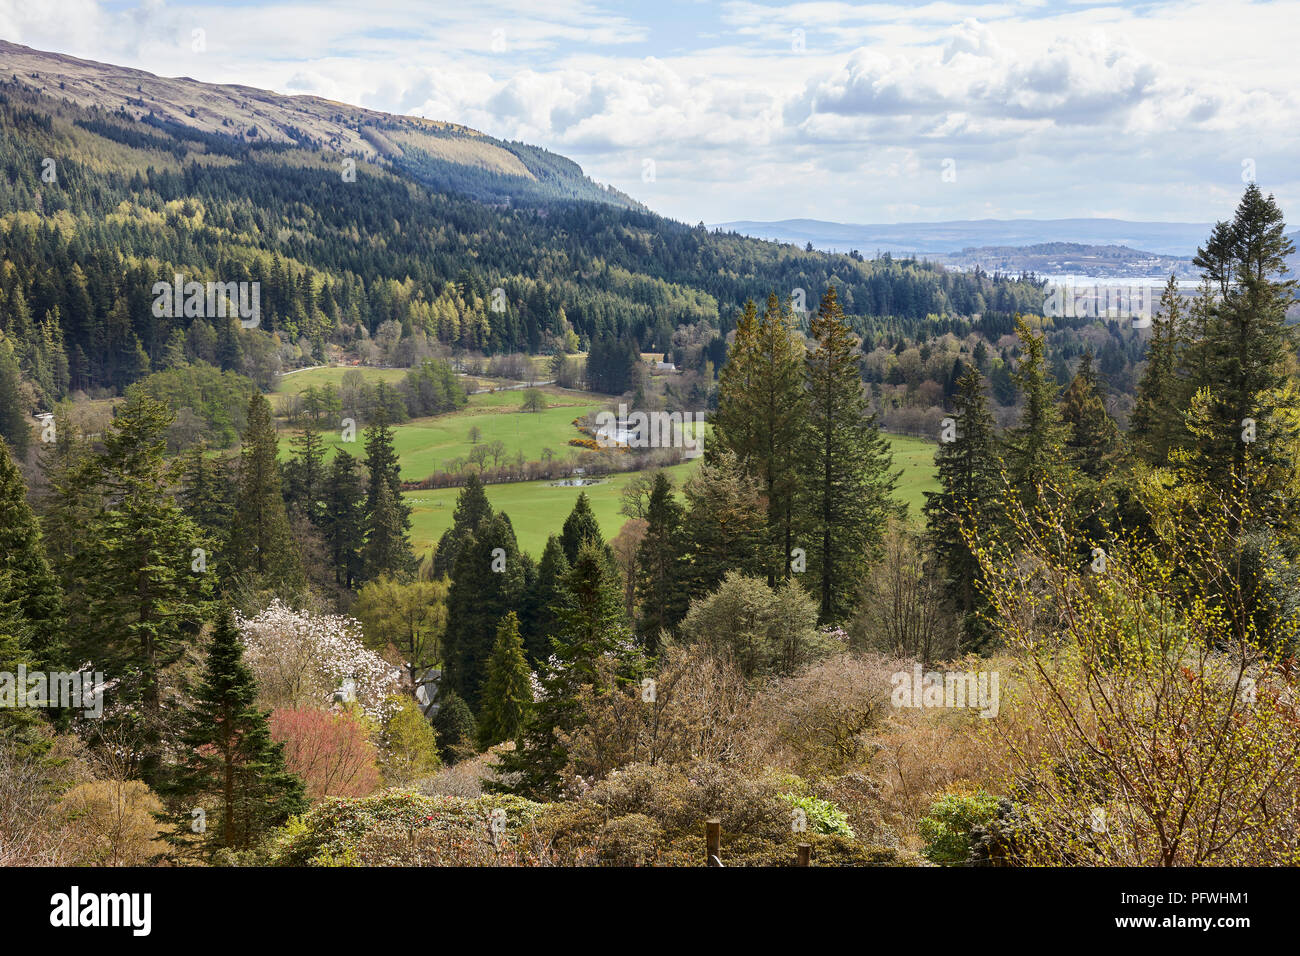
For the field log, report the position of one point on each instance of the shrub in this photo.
(822, 815)
(112, 823)
(410, 746)
(947, 828)
(330, 752)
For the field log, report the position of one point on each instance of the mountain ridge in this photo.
(515, 172)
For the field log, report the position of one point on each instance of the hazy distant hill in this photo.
(1071, 258)
(933, 238)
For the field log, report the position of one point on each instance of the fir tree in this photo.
(1034, 448)
(343, 521)
(1155, 425)
(965, 504)
(455, 725)
(304, 474)
(390, 520)
(231, 766)
(14, 425)
(579, 527)
(208, 491)
(660, 585)
(135, 598)
(1092, 432)
(724, 529)
(472, 509)
(386, 550)
(846, 490)
(761, 410)
(260, 542)
(539, 617)
(591, 645)
(26, 581)
(508, 688)
(487, 583)
(1249, 353)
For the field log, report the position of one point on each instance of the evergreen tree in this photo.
(486, 584)
(231, 765)
(472, 509)
(304, 474)
(539, 616)
(579, 527)
(1035, 447)
(1092, 432)
(260, 542)
(846, 490)
(660, 585)
(508, 688)
(20, 727)
(208, 492)
(14, 425)
(732, 425)
(1249, 353)
(761, 411)
(1155, 425)
(70, 497)
(26, 581)
(965, 503)
(386, 550)
(389, 520)
(591, 646)
(343, 518)
(134, 596)
(724, 530)
(455, 725)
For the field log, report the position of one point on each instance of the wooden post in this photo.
(805, 854)
(713, 836)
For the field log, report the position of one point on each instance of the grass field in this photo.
(915, 458)
(537, 509)
(333, 375)
(425, 445)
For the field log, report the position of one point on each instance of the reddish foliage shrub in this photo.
(330, 751)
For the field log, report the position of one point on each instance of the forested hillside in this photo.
(101, 203)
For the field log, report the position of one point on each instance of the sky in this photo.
(712, 112)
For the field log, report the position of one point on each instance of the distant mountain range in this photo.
(1113, 248)
(938, 238)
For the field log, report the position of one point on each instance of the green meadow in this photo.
(426, 445)
(537, 509)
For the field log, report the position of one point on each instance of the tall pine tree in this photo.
(966, 503)
(845, 493)
(508, 688)
(260, 542)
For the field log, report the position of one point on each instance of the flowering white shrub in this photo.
(302, 658)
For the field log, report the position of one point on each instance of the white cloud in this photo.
(1061, 110)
